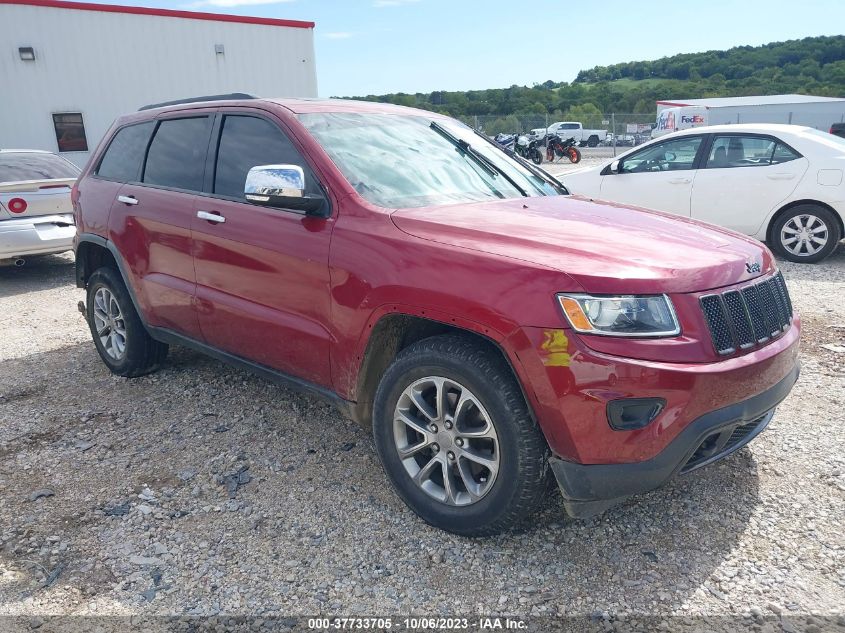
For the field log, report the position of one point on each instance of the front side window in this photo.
(70, 132)
(123, 158)
(23, 166)
(747, 151)
(675, 155)
(246, 142)
(397, 161)
(176, 157)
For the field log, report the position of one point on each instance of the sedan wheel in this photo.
(804, 235)
(807, 233)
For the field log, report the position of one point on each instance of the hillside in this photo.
(813, 65)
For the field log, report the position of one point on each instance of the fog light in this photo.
(629, 414)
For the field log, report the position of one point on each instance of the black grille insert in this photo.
(724, 441)
(741, 319)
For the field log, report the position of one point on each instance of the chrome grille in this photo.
(750, 316)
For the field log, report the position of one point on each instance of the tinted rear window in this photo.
(177, 154)
(17, 166)
(122, 160)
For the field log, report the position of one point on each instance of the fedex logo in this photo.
(692, 119)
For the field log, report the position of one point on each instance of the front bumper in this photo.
(38, 235)
(589, 489)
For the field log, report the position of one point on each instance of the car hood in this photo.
(605, 247)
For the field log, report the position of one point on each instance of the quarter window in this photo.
(176, 157)
(70, 132)
(748, 151)
(675, 155)
(246, 142)
(123, 158)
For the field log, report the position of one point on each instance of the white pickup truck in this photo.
(573, 129)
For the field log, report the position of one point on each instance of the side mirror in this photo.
(614, 167)
(282, 186)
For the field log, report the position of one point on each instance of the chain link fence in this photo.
(614, 131)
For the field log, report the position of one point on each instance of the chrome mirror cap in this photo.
(266, 181)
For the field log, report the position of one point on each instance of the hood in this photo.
(605, 247)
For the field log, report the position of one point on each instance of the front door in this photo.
(262, 273)
(659, 176)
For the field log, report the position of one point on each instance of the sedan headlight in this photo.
(628, 315)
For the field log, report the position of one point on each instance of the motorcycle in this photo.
(560, 148)
(528, 149)
(507, 141)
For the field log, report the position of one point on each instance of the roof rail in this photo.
(228, 97)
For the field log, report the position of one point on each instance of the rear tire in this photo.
(119, 336)
(454, 492)
(806, 234)
(593, 141)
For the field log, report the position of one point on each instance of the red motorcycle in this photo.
(560, 148)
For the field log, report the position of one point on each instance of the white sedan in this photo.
(782, 184)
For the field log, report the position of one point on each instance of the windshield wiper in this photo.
(485, 163)
(542, 174)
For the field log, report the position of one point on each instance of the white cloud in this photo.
(232, 3)
(338, 35)
(392, 3)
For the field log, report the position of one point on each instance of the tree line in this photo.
(813, 65)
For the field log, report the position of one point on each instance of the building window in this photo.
(70, 132)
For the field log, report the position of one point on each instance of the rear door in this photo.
(744, 178)
(658, 176)
(262, 273)
(150, 221)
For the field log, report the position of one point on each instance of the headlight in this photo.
(630, 315)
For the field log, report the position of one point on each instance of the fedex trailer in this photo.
(815, 112)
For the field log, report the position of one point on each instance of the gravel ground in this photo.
(202, 490)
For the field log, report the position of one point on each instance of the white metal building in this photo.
(68, 69)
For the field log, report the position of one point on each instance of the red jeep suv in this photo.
(490, 329)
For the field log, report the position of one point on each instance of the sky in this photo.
(379, 46)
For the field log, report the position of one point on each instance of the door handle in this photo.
(680, 181)
(131, 200)
(782, 176)
(211, 217)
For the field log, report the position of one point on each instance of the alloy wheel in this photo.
(109, 323)
(446, 441)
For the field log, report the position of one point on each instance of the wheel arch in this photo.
(92, 252)
(795, 203)
(394, 331)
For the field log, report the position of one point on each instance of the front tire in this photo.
(806, 234)
(456, 439)
(119, 336)
(574, 155)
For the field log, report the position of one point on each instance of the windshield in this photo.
(20, 166)
(402, 161)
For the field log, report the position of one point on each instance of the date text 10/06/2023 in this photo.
(416, 623)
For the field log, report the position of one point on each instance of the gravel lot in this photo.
(203, 490)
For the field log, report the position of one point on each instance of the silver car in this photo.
(36, 216)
